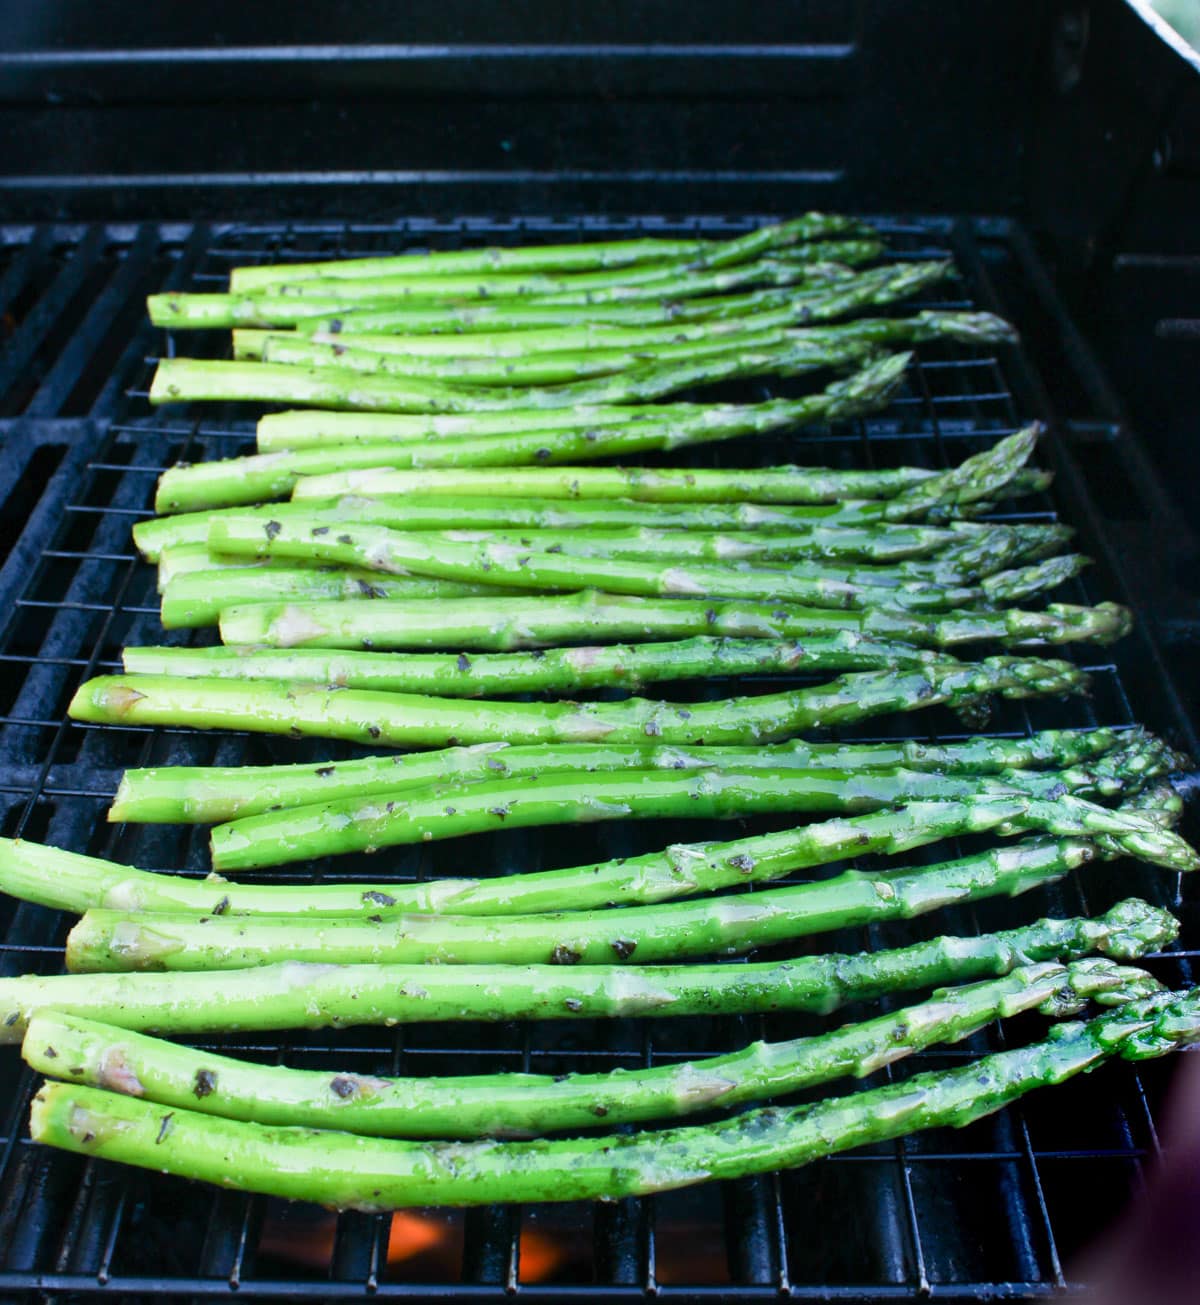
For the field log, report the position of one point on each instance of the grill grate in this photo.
(994, 1210)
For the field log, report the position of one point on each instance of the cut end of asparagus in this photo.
(163, 388)
(105, 698)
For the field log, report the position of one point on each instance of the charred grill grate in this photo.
(999, 1210)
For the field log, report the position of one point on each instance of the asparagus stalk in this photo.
(823, 300)
(676, 279)
(527, 1105)
(406, 816)
(380, 549)
(249, 342)
(537, 621)
(348, 1171)
(553, 368)
(587, 256)
(411, 720)
(656, 287)
(972, 328)
(179, 380)
(928, 547)
(108, 940)
(273, 475)
(560, 365)
(280, 431)
(978, 477)
(69, 882)
(612, 285)
(812, 262)
(963, 542)
(295, 995)
(196, 599)
(583, 257)
(826, 524)
(66, 881)
(832, 292)
(211, 794)
(452, 675)
(442, 511)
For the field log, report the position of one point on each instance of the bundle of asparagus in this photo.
(525, 1105)
(429, 555)
(348, 1171)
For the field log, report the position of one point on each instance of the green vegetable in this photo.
(581, 257)
(422, 815)
(275, 474)
(535, 621)
(294, 995)
(412, 720)
(108, 940)
(348, 1171)
(525, 1105)
(379, 549)
(209, 794)
(909, 495)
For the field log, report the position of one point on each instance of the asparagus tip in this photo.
(1134, 927)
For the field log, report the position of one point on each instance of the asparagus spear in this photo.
(583, 257)
(563, 797)
(682, 278)
(629, 666)
(249, 342)
(964, 542)
(659, 286)
(823, 300)
(973, 328)
(614, 285)
(380, 549)
(919, 551)
(536, 621)
(196, 599)
(272, 475)
(830, 293)
(684, 493)
(560, 365)
(280, 431)
(825, 523)
(108, 940)
(210, 794)
(526, 1105)
(295, 995)
(347, 1171)
(978, 477)
(440, 511)
(407, 720)
(67, 881)
(180, 380)
(553, 368)
(587, 256)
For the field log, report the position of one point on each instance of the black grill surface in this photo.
(999, 1210)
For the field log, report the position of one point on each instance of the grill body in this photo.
(146, 158)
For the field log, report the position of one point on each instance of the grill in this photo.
(1000, 1210)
